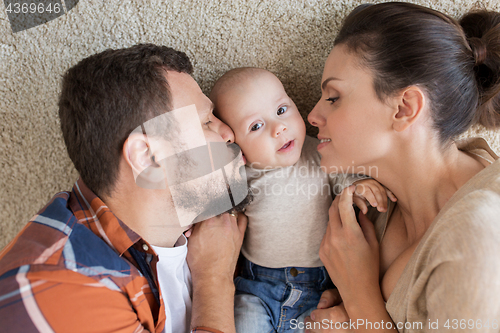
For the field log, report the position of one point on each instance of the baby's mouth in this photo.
(286, 145)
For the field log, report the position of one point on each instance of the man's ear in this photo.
(137, 154)
(411, 102)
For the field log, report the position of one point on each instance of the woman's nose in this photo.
(222, 129)
(314, 117)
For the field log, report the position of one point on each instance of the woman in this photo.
(401, 83)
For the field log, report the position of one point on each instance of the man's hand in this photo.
(213, 249)
(371, 191)
(214, 246)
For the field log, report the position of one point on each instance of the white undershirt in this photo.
(174, 278)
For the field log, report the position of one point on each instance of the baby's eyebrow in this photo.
(246, 121)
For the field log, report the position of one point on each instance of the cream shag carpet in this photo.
(290, 38)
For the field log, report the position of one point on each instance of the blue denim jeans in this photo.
(275, 300)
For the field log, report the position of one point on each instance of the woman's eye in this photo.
(332, 99)
(207, 123)
(281, 110)
(256, 127)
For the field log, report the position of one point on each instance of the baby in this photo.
(282, 275)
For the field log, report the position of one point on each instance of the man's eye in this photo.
(281, 110)
(256, 127)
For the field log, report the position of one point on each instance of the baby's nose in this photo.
(280, 128)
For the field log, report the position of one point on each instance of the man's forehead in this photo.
(185, 91)
(189, 127)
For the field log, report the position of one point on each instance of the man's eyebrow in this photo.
(211, 108)
(208, 110)
(323, 85)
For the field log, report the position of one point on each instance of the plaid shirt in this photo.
(72, 269)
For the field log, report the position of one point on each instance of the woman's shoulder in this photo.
(488, 179)
(477, 146)
(469, 224)
(481, 194)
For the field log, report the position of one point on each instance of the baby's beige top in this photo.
(289, 214)
(454, 272)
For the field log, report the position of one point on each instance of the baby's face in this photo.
(266, 123)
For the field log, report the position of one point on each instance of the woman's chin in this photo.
(338, 167)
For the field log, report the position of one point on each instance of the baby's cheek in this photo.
(254, 157)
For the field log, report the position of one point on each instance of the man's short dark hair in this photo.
(106, 96)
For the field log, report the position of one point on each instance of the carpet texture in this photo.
(290, 38)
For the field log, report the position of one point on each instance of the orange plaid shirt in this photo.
(71, 270)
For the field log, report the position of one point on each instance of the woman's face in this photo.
(354, 125)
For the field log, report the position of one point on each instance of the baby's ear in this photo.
(411, 102)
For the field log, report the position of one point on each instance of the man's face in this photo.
(194, 163)
(185, 91)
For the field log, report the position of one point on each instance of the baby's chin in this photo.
(263, 166)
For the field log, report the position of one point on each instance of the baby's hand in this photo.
(371, 191)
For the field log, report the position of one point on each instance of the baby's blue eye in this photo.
(256, 127)
(281, 110)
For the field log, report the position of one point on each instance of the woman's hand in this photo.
(330, 311)
(350, 250)
(350, 253)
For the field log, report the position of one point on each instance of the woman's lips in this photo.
(323, 142)
(287, 146)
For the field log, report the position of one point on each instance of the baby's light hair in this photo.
(234, 78)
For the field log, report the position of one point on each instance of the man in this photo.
(87, 262)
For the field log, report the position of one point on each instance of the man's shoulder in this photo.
(54, 238)
(47, 229)
(57, 264)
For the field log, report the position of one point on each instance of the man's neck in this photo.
(143, 211)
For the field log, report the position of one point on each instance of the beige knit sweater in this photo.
(452, 281)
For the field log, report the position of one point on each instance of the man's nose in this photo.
(223, 130)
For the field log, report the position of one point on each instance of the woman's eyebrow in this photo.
(323, 85)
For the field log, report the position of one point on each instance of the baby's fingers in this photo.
(375, 194)
(381, 198)
(391, 195)
(364, 191)
(360, 203)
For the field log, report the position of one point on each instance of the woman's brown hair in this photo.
(406, 44)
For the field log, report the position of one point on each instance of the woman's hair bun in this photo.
(482, 29)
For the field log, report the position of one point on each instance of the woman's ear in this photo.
(137, 154)
(411, 102)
